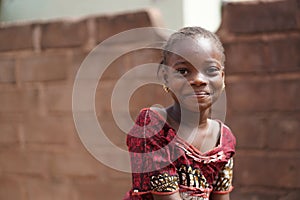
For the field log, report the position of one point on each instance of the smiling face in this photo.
(195, 74)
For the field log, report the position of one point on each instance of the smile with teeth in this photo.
(200, 94)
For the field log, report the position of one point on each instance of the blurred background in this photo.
(175, 13)
(43, 44)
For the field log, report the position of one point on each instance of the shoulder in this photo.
(228, 134)
(149, 118)
(150, 129)
(228, 139)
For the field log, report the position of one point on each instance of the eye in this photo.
(182, 71)
(212, 70)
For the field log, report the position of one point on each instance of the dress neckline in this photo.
(196, 150)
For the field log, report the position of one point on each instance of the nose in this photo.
(199, 80)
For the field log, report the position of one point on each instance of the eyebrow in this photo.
(180, 62)
(211, 60)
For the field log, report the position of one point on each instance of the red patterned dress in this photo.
(164, 163)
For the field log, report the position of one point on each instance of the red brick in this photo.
(77, 60)
(291, 195)
(285, 95)
(11, 118)
(9, 133)
(249, 193)
(142, 98)
(103, 97)
(123, 177)
(64, 34)
(110, 156)
(84, 102)
(112, 131)
(58, 98)
(101, 188)
(75, 163)
(284, 54)
(246, 57)
(48, 189)
(283, 131)
(7, 70)
(121, 23)
(269, 169)
(97, 60)
(91, 189)
(269, 55)
(118, 67)
(10, 188)
(146, 55)
(260, 16)
(250, 130)
(16, 37)
(44, 67)
(145, 70)
(249, 96)
(256, 94)
(19, 100)
(10, 100)
(18, 161)
(129, 60)
(53, 163)
(48, 130)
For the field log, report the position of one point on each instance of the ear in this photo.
(223, 73)
(163, 71)
(223, 76)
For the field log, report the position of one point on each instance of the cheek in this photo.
(178, 85)
(217, 83)
(216, 87)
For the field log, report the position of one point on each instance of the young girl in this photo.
(179, 152)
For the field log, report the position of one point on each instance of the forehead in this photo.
(195, 50)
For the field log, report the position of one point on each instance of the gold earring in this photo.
(166, 88)
(223, 87)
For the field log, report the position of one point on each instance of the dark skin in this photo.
(195, 77)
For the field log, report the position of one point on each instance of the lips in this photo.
(199, 94)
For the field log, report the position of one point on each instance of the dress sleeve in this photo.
(223, 181)
(150, 147)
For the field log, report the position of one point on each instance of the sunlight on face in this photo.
(195, 64)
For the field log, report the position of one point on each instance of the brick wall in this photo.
(262, 44)
(41, 156)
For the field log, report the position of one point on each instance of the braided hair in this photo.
(191, 32)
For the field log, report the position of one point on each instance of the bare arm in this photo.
(174, 196)
(220, 197)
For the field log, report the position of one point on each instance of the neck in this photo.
(190, 118)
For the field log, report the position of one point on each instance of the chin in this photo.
(198, 107)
